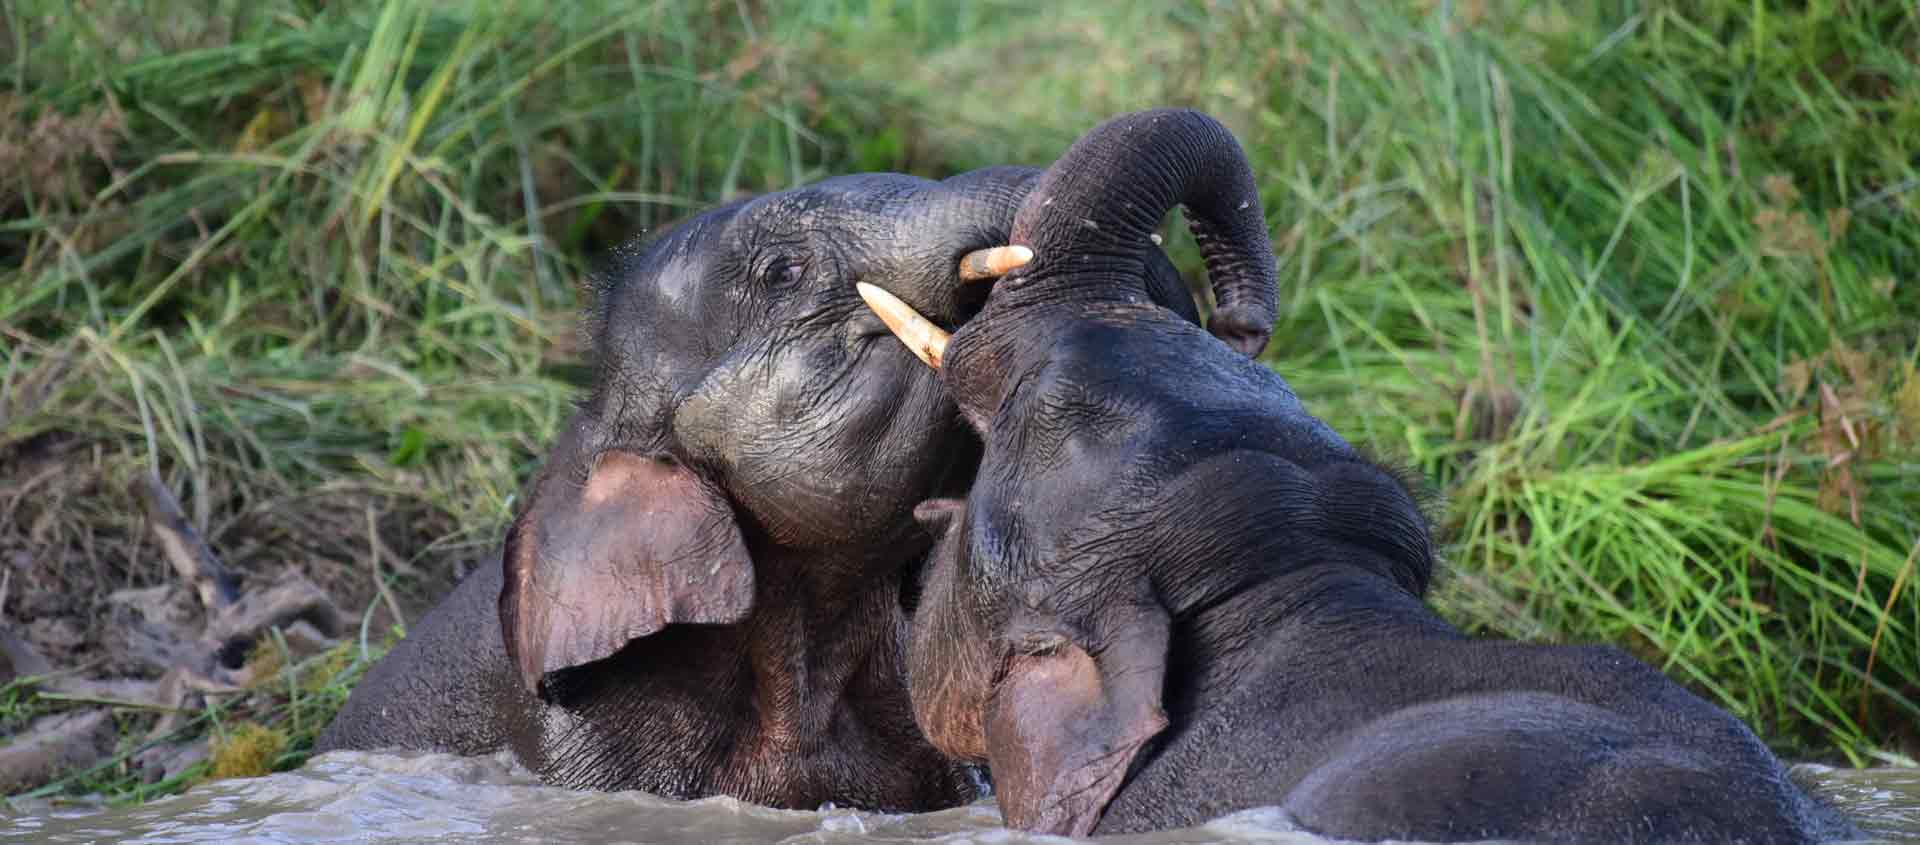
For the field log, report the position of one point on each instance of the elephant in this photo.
(1172, 593)
(706, 588)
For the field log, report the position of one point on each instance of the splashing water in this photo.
(370, 798)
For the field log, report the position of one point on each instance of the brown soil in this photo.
(89, 595)
(72, 532)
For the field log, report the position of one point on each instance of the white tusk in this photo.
(993, 262)
(925, 339)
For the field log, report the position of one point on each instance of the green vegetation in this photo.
(246, 751)
(1633, 283)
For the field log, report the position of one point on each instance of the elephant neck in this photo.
(802, 704)
(1311, 609)
(817, 648)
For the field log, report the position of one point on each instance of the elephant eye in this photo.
(786, 271)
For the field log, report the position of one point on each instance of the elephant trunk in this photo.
(971, 211)
(1100, 203)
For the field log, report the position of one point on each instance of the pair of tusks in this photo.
(926, 340)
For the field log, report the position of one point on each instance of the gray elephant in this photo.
(705, 591)
(1171, 593)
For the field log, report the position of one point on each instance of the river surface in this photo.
(357, 797)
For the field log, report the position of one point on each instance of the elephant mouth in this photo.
(978, 270)
(928, 342)
(925, 340)
(866, 326)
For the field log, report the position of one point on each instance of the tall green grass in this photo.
(1633, 283)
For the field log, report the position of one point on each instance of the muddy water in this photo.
(353, 797)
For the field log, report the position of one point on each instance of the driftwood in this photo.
(196, 652)
(18, 657)
(233, 621)
(190, 556)
(235, 627)
(161, 762)
(55, 744)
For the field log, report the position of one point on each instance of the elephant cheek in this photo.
(820, 454)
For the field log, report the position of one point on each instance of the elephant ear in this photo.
(1065, 723)
(950, 657)
(642, 544)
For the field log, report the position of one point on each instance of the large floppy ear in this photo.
(950, 657)
(1066, 722)
(642, 544)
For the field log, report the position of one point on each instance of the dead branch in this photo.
(293, 599)
(190, 556)
(18, 657)
(54, 744)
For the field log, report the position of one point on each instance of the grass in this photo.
(1634, 284)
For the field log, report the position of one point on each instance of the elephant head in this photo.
(1035, 646)
(740, 401)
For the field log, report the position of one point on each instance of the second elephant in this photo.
(1172, 593)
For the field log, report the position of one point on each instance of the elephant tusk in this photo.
(925, 339)
(985, 264)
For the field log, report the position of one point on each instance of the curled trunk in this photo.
(1096, 209)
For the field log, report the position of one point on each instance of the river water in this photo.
(357, 797)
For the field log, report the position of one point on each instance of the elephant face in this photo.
(798, 404)
(745, 400)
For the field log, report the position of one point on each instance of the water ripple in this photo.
(373, 798)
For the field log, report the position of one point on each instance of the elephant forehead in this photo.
(811, 215)
(641, 263)
(871, 190)
(676, 280)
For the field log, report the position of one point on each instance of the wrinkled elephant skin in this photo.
(1172, 593)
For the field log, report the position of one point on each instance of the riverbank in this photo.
(1638, 292)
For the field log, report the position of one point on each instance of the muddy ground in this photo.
(128, 617)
